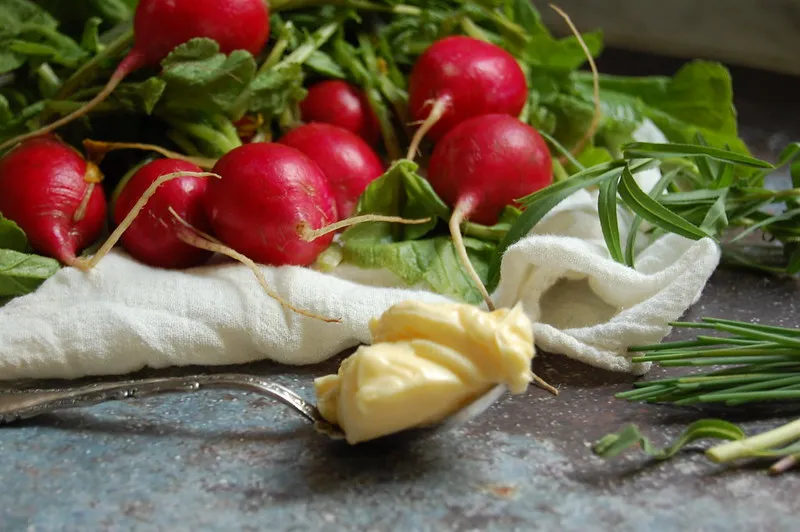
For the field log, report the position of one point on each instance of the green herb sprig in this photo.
(758, 364)
(705, 192)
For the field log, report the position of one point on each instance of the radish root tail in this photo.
(86, 265)
(194, 237)
(598, 112)
(127, 65)
(544, 385)
(440, 107)
(308, 234)
(99, 148)
(462, 210)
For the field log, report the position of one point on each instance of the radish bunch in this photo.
(467, 95)
(278, 203)
(170, 215)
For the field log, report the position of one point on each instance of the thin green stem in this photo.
(89, 69)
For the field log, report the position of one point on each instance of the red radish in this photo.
(341, 104)
(484, 164)
(458, 78)
(266, 192)
(152, 237)
(346, 160)
(43, 184)
(161, 25)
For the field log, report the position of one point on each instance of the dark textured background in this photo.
(219, 460)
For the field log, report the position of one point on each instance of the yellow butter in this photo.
(426, 361)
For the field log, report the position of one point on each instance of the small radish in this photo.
(341, 104)
(458, 78)
(50, 191)
(162, 25)
(346, 160)
(266, 192)
(484, 164)
(152, 237)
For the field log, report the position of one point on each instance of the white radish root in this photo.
(438, 110)
(462, 210)
(197, 238)
(308, 234)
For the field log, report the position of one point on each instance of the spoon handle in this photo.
(27, 403)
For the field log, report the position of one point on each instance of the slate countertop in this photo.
(229, 461)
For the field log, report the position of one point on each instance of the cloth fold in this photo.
(124, 316)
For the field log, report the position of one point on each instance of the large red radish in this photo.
(50, 191)
(152, 237)
(458, 78)
(481, 166)
(341, 104)
(267, 190)
(161, 25)
(346, 160)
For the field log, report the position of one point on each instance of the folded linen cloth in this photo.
(124, 316)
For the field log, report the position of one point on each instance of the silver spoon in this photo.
(27, 403)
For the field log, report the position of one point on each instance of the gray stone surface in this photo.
(229, 461)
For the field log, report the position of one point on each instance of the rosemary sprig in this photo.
(705, 192)
(755, 364)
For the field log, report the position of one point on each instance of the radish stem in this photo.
(308, 234)
(87, 265)
(88, 70)
(129, 64)
(100, 148)
(440, 107)
(199, 239)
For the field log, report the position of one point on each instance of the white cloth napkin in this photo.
(124, 316)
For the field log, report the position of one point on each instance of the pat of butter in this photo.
(426, 362)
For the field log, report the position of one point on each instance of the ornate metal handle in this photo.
(22, 404)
